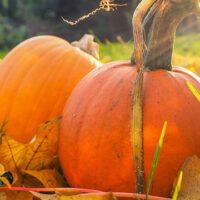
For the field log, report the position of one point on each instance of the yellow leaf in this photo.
(66, 192)
(14, 195)
(40, 154)
(37, 155)
(193, 90)
(44, 196)
(2, 169)
(6, 182)
(103, 196)
(60, 196)
(3, 196)
(49, 178)
(7, 178)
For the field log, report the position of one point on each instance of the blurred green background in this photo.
(22, 19)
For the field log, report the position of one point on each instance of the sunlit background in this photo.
(22, 19)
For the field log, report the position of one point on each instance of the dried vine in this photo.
(106, 5)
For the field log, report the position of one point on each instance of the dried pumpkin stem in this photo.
(139, 43)
(162, 32)
(137, 114)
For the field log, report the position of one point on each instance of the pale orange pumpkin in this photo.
(36, 78)
(95, 143)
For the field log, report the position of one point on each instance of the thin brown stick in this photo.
(71, 23)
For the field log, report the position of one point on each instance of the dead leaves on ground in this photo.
(39, 154)
(50, 178)
(34, 164)
(57, 195)
(13, 195)
(60, 196)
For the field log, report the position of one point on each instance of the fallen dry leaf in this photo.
(103, 196)
(190, 186)
(50, 178)
(5, 181)
(14, 195)
(44, 196)
(39, 154)
(54, 196)
(3, 196)
(2, 169)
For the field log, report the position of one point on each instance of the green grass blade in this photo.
(178, 186)
(155, 160)
(193, 90)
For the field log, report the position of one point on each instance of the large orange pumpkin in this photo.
(95, 147)
(36, 78)
(95, 142)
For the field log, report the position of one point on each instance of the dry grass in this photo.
(187, 51)
(186, 54)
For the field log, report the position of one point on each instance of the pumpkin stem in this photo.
(87, 44)
(139, 42)
(160, 39)
(157, 32)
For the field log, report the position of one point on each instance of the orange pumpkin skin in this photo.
(95, 147)
(36, 78)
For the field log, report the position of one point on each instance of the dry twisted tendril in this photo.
(107, 5)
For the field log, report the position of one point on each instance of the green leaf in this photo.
(178, 186)
(155, 160)
(193, 90)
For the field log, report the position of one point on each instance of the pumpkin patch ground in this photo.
(72, 128)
